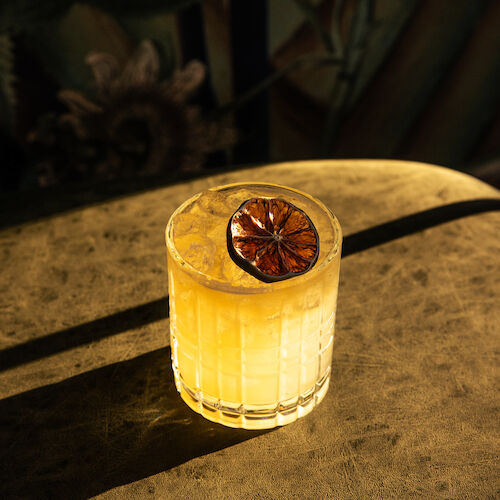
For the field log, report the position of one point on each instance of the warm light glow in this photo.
(255, 357)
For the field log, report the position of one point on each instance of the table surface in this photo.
(89, 405)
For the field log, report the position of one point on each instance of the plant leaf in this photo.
(184, 82)
(77, 103)
(143, 67)
(105, 69)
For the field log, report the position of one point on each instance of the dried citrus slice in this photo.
(272, 239)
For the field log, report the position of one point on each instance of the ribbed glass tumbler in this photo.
(246, 353)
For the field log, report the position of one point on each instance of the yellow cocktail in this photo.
(247, 353)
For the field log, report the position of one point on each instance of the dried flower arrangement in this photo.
(137, 124)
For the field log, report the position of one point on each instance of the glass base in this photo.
(253, 416)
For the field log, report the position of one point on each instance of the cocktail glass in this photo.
(246, 353)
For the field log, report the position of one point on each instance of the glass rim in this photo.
(260, 287)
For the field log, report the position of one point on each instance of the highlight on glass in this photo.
(253, 273)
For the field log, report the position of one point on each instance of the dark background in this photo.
(289, 79)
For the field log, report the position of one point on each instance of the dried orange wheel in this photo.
(272, 239)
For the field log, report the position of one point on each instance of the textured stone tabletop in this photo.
(88, 405)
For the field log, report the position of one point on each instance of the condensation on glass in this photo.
(247, 353)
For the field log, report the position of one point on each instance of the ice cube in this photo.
(197, 250)
(186, 223)
(212, 204)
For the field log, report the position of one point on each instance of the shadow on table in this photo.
(108, 427)
(124, 422)
(18, 207)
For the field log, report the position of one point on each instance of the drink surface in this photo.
(198, 230)
(247, 353)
